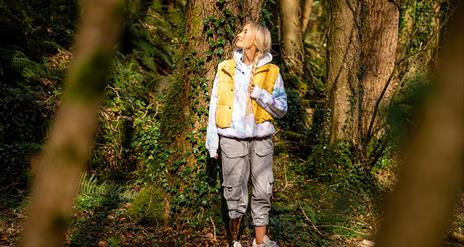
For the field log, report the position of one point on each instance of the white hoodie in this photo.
(243, 122)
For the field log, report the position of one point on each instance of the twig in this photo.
(214, 228)
(345, 228)
(310, 222)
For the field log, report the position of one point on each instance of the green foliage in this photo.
(129, 132)
(148, 205)
(21, 63)
(22, 126)
(93, 194)
(294, 120)
(33, 31)
(421, 37)
(336, 164)
(405, 106)
(219, 30)
(28, 84)
(114, 242)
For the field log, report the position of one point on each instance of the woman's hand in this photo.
(251, 87)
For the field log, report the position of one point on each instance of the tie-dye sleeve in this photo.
(275, 103)
(212, 137)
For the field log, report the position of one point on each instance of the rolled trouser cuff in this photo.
(261, 222)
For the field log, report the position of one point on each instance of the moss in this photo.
(148, 205)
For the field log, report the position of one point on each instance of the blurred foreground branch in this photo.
(418, 211)
(66, 153)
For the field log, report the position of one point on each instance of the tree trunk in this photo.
(342, 64)
(418, 211)
(362, 54)
(67, 150)
(380, 39)
(307, 9)
(210, 29)
(252, 10)
(292, 36)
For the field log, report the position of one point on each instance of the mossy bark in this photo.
(58, 167)
(184, 118)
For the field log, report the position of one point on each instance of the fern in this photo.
(27, 67)
(92, 194)
(20, 62)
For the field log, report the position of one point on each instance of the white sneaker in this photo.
(236, 244)
(267, 243)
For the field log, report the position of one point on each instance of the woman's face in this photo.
(245, 39)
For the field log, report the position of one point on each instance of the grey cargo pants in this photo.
(238, 156)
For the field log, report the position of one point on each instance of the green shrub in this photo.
(148, 205)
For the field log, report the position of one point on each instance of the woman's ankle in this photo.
(260, 232)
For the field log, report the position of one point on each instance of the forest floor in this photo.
(304, 213)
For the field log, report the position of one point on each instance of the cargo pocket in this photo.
(270, 185)
(232, 188)
(264, 147)
(233, 148)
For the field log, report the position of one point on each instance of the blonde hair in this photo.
(262, 42)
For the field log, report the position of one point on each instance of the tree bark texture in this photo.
(307, 9)
(418, 211)
(58, 167)
(342, 59)
(362, 41)
(292, 36)
(251, 10)
(379, 41)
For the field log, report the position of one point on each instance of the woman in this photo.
(248, 92)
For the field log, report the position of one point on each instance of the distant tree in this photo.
(307, 9)
(343, 55)
(378, 56)
(294, 23)
(362, 42)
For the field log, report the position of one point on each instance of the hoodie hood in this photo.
(238, 55)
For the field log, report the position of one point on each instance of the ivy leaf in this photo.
(220, 51)
(221, 41)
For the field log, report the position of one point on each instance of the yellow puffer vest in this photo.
(264, 78)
